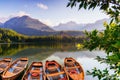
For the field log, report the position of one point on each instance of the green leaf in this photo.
(81, 5)
(117, 45)
(90, 6)
(68, 4)
(104, 7)
(72, 4)
(111, 21)
(85, 5)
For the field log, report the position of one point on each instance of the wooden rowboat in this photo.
(15, 69)
(34, 72)
(73, 69)
(4, 63)
(54, 71)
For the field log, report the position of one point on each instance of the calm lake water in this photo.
(43, 52)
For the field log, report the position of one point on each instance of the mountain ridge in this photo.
(27, 25)
(81, 27)
(1, 24)
(33, 27)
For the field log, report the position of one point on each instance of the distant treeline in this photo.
(10, 36)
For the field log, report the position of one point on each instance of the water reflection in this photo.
(34, 52)
(12, 49)
(43, 52)
(85, 58)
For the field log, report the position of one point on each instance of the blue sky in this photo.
(51, 12)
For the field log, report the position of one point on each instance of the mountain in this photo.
(69, 26)
(1, 25)
(28, 26)
(72, 26)
(97, 25)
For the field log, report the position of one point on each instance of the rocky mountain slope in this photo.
(27, 25)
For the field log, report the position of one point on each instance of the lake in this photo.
(47, 51)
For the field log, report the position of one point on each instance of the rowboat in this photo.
(54, 71)
(15, 69)
(4, 63)
(34, 72)
(73, 69)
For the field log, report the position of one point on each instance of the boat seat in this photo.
(17, 67)
(37, 68)
(57, 76)
(69, 64)
(52, 68)
(32, 71)
(24, 59)
(73, 67)
(4, 61)
(56, 73)
(8, 74)
(7, 60)
(37, 64)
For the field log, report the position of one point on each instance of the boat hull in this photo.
(55, 71)
(16, 69)
(73, 69)
(13, 77)
(4, 63)
(35, 68)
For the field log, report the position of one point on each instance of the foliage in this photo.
(103, 75)
(79, 46)
(108, 40)
(111, 7)
(10, 36)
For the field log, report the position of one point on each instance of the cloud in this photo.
(42, 6)
(47, 22)
(20, 13)
(3, 19)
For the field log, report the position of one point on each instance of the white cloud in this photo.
(47, 22)
(42, 6)
(18, 14)
(3, 19)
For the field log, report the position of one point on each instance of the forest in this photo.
(11, 36)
